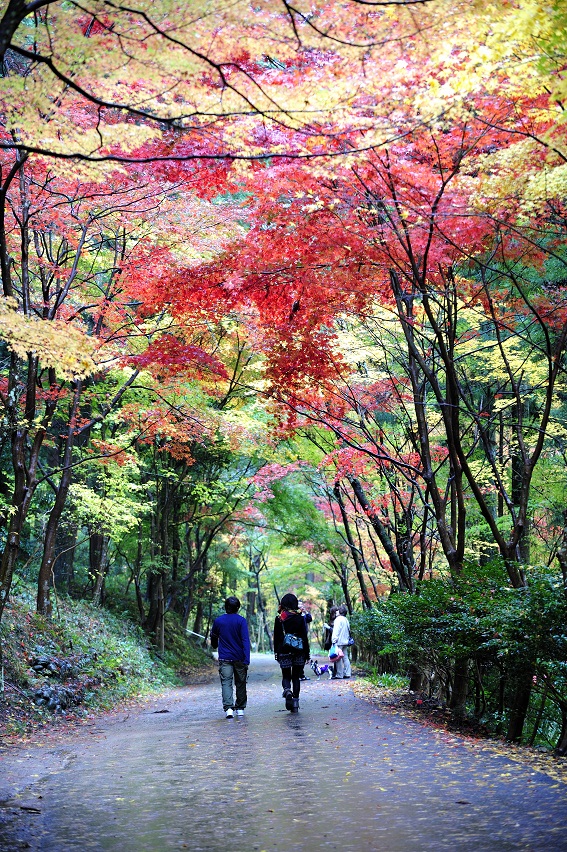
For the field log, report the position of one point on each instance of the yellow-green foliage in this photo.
(56, 343)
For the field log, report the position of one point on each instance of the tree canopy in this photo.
(284, 304)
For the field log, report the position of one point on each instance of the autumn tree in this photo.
(70, 245)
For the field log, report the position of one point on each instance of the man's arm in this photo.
(215, 636)
(245, 636)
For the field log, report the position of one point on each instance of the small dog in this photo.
(320, 670)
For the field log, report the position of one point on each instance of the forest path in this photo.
(339, 775)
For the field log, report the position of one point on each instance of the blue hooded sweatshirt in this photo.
(230, 635)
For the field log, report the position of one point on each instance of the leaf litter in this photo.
(472, 736)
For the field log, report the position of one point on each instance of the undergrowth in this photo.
(87, 659)
(386, 680)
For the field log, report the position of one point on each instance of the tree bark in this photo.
(64, 559)
(160, 625)
(561, 747)
(137, 572)
(383, 535)
(418, 678)
(367, 603)
(458, 703)
(15, 13)
(256, 563)
(198, 622)
(519, 705)
(562, 552)
(98, 564)
(25, 459)
(45, 577)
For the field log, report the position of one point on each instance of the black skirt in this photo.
(286, 661)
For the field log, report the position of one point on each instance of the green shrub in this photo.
(506, 638)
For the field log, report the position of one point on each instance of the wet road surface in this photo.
(340, 775)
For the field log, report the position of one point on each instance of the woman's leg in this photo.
(346, 661)
(296, 675)
(286, 677)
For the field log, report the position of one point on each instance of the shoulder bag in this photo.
(291, 643)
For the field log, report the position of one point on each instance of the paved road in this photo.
(340, 775)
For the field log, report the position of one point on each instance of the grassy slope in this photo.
(89, 658)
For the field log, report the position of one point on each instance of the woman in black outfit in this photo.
(290, 620)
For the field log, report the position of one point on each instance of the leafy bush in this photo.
(511, 642)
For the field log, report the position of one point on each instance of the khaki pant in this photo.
(227, 672)
(343, 663)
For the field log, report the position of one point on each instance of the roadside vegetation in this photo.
(505, 635)
(82, 661)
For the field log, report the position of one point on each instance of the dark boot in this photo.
(289, 699)
(295, 705)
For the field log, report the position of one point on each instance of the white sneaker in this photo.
(229, 714)
(239, 714)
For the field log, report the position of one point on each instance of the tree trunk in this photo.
(45, 577)
(250, 604)
(98, 564)
(198, 623)
(13, 16)
(519, 705)
(137, 572)
(342, 572)
(458, 703)
(160, 626)
(63, 565)
(155, 579)
(355, 553)
(561, 747)
(256, 563)
(209, 619)
(418, 678)
(188, 604)
(383, 535)
(562, 551)
(539, 715)
(21, 496)
(25, 459)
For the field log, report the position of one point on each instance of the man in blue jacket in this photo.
(230, 635)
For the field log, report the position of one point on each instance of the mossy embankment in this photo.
(83, 661)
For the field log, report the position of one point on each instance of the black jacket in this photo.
(294, 623)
